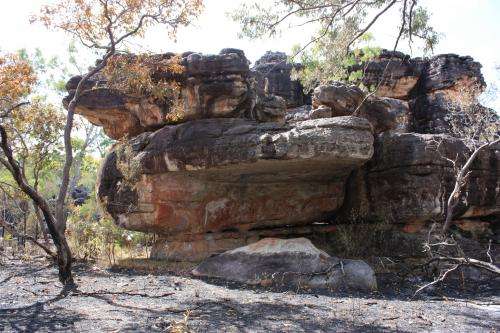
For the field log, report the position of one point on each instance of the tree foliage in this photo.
(341, 27)
(101, 23)
(17, 79)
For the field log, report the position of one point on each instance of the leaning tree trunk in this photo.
(63, 253)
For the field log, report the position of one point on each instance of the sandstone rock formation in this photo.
(409, 178)
(235, 167)
(401, 74)
(431, 86)
(273, 76)
(292, 263)
(211, 86)
(342, 99)
(223, 174)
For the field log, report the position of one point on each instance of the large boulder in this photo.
(210, 86)
(391, 74)
(289, 263)
(342, 99)
(214, 175)
(433, 87)
(384, 114)
(450, 71)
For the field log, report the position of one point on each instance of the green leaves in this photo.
(342, 37)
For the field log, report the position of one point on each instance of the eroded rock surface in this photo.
(211, 86)
(409, 178)
(342, 99)
(216, 174)
(247, 159)
(290, 263)
(392, 74)
(273, 76)
(432, 86)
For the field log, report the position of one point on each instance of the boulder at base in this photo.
(290, 263)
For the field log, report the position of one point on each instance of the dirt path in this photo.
(30, 300)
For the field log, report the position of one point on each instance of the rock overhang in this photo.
(214, 145)
(214, 174)
(242, 160)
(209, 86)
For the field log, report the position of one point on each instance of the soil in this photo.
(32, 300)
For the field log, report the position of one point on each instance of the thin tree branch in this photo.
(364, 30)
(15, 233)
(7, 112)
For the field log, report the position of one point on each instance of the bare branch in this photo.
(364, 30)
(440, 279)
(8, 112)
(459, 184)
(15, 233)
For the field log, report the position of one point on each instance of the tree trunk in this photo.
(460, 180)
(63, 258)
(41, 224)
(60, 213)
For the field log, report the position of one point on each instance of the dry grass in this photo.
(153, 266)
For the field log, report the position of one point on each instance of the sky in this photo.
(468, 27)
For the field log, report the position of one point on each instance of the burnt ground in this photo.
(131, 301)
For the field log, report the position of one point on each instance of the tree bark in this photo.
(60, 214)
(63, 258)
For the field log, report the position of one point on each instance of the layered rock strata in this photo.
(235, 167)
(210, 86)
(215, 175)
(410, 177)
(431, 86)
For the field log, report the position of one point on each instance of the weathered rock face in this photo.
(339, 99)
(217, 174)
(342, 99)
(273, 75)
(449, 71)
(431, 86)
(408, 180)
(401, 74)
(236, 168)
(386, 114)
(290, 263)
(211, 86)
